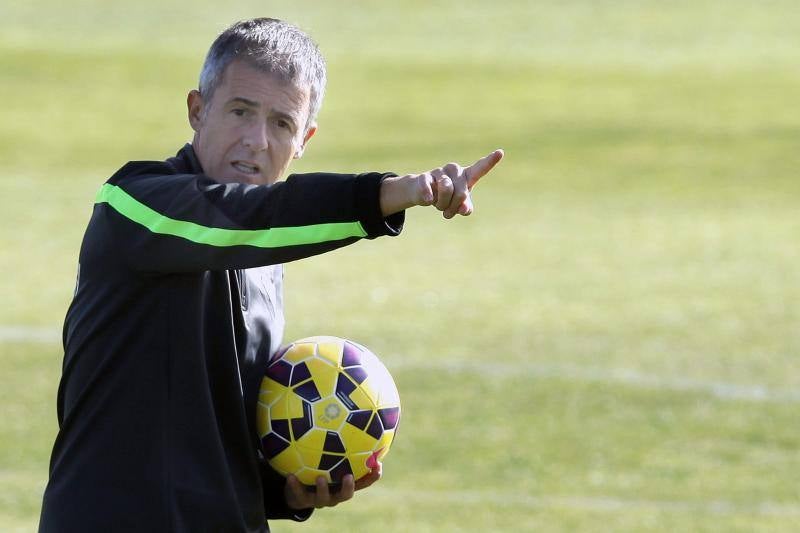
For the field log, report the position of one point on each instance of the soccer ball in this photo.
(326, 407)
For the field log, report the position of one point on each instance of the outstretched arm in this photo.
(155, 221)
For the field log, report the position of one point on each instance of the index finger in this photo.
(482, 167)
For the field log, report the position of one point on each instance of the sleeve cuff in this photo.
(368, 188)
(302, 515)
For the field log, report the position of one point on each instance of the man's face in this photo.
(252, 128)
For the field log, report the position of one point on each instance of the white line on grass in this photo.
(720, 389)
(590, 503)
(29, 334)
(586, 374)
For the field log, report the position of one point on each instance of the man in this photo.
(178, 304)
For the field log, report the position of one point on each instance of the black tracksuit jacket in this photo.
(177, 309)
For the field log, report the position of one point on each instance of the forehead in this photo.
(242, 80)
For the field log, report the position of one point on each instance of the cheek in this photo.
(224, 140)
(288, 150)
(295, 144)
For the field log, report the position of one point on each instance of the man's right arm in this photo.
(188, 222)
(184, 223)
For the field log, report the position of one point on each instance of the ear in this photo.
(195, 106)
(309, 133)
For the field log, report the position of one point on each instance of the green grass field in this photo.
(610, 343)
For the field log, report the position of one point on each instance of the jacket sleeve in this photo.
(189, 222)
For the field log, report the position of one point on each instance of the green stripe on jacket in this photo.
(131, 208)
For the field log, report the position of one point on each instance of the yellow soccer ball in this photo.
(327, 407)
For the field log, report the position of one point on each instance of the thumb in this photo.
(482, 167)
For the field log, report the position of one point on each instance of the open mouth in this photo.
(245, 168)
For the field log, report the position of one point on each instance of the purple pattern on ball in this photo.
(341, 470)
(344, 386)
(280, 371)
(375, 429)
(326, 462)
(301, 426)
(281, 427)
(389, 417)
(273, 445)
(359, 419)
(300, 373)
(333, 443)
(307, 391)
(357, 373)
(351, 355)
(343, 389)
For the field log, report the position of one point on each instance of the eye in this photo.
(283, 124)
(239, 112)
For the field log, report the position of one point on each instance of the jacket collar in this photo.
(186, 161)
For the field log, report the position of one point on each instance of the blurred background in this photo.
(610, 343)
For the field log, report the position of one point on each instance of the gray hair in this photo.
(273, 46)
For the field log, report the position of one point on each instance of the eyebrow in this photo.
(253, 103)
(285, 116)
(244, 101)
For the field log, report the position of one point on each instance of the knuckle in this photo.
(451, 168)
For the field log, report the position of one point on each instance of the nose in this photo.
(255, 138)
